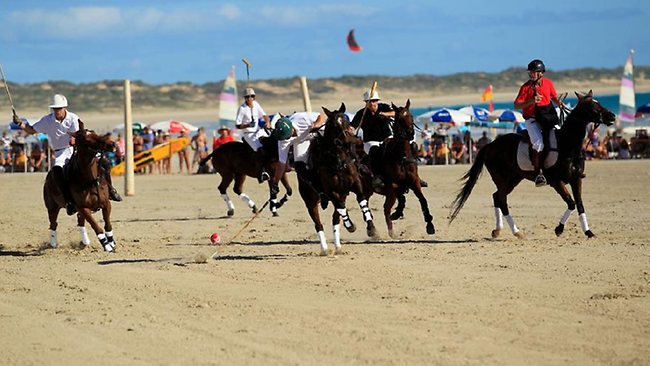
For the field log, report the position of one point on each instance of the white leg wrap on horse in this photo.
(323, 243)
(511, 223)
(85, 240)
(566, 216)
(367, 215)
(53, 240)
(337, 236)
(274, 205)
(344, 216)
(231, 206)
(583, 222)
(244, 197)
(498, 216)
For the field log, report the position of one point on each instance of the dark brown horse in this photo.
(500, 158)
(400, 170)
(236, 160)
(88, 187)
(333, 172)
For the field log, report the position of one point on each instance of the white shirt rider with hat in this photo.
(247, 116)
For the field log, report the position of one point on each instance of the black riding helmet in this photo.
(536, 65)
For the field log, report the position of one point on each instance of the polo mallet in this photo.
(248, 83)
(241, 230)
(365, 108)
(4, 81)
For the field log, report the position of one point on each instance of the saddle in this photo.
(549, 154)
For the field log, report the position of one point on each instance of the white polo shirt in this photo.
(58, 133)
(244, 116)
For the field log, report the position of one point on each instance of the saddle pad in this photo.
(523, 155)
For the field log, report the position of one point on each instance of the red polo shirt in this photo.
(545, 87)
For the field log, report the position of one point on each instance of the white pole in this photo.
(305, 94)
(129, 178)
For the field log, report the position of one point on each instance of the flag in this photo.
(487, 97)
(352, 43)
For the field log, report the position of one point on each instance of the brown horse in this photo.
(88, 187)
(236, 160)
(400, 171)
(500, 158)
(334, 172)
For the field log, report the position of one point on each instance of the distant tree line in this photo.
(108, 94)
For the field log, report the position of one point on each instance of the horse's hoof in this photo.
(397, 215)
(323, 253)
(231, 212)
(559, 229)
(371, 230)
(590, 234)
(338, 251)
(275, 214)
(519, 235)
(430, 229)
(254, 209)
(392, 235)
(496, 233)
(352, 228)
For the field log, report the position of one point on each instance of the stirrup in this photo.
(70, 209)
(263, 177)
(423, 183)
(113, 195)
(540, 181)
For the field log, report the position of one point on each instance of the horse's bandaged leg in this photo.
(231, 206)
(244, 197)
(103, 240)
(323, 242)
(344, 216)
(583, 222)
(53, 240)
(337, 236)
(511, 223)
(498, 216)
(111, 240)
(85, 240)
(566, 216)
(367, 215)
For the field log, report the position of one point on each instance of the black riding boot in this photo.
(375, 166)
(59, 179)
(415, 150)
(540, 180)
(113, 195)
(260, 161)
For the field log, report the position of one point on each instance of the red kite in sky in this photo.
(352, 43)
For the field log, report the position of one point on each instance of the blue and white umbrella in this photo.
(477, 113)
(506, 115)
(444, 115)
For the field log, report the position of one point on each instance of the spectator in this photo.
(224, 138)
(120, 149)
(183, 155)
(458, 151)
(484, 140)
(36, 159)
(200, 146)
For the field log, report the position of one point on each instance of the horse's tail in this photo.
(470, 178)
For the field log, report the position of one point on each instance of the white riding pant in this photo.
(62, 156)
(300, 150)
(253, 139)
(535, 134)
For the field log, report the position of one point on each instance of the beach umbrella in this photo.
(173, 126)
(135, 126)
(477, 113)
(643, 110)
(506, 115)
(444, 115)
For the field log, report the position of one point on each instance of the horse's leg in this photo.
(239, 184)
(81, 226)
(336, 231)
(500, 198)
(399, 210)
(53, 214)
(560, 188)
(85, 212)
(310, 197)
(576, 188)
(226, 179)
(338, 201)
(371, 230)
(391, 197)
(289, 191)
(108, 226)
(424, 206)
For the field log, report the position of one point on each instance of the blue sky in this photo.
(169, 41)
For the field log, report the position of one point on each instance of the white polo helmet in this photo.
(367, 96)
(249, 91)
(59, 101)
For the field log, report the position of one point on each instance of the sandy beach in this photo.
(454, 298)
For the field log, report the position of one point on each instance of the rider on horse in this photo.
(534, 99)
(376, 129)
(247, 116)
(58, 126)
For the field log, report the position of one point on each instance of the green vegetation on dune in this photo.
(108, 94)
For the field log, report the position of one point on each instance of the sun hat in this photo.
(222, 128)
(249, 91)
(59, 101)
(367, 96)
